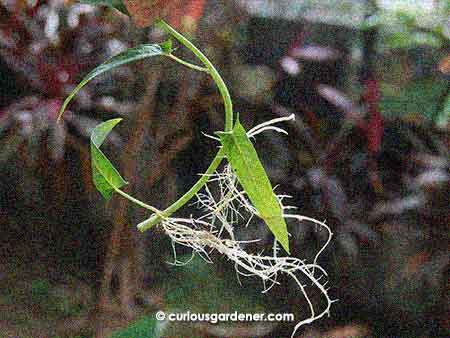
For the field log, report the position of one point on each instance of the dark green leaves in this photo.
(444, 116)
(251, 174)
(130, 55)
(117, 4)
(145, 327)
(106, 177)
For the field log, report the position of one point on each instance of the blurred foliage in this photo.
(39, 289)
(444, 118)
(146, 327)
(389, 212)
(197, 287)
(410, 27)
(117, 4)
(201, 287)
(416, 98)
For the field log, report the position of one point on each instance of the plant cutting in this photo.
(244, 189)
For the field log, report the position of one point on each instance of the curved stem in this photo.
(187, 64)
(212, 70)
(157, 217)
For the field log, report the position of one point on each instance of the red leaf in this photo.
(176, 12)
(375, 132)
(144, 12)
(375, 127)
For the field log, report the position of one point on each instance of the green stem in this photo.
(212, 70)
(187, 64)
(157, 217)
(136, 201)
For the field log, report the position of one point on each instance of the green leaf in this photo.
(407, 18)
(106, 177)
(189, 287)
(145, 327)
(444, 117)
(117, 4)
(251, 174)
(420, 96)
(446, 111)
(130, 55)
(166, 46)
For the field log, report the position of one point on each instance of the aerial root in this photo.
(214, 230)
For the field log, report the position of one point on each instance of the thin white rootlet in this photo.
(215, 231)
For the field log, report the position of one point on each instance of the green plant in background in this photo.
(407, 29)
(39, 290)
(413, 28)
(244, 188)
(143, 327)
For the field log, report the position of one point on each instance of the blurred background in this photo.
(368, 82)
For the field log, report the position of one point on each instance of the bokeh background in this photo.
(368, 82)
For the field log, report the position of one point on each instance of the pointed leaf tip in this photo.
(105, 176)
(250, 172)
(130, 55)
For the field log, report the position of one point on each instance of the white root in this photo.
(231, 207)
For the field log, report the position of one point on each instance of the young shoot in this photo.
(245, 192)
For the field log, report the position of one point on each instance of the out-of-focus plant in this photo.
(404, 26)
(46, 44)
(375, 190)
(413, 29)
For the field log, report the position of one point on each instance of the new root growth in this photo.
(215, 231)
